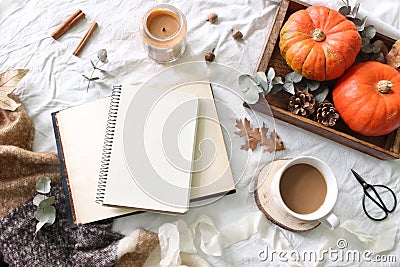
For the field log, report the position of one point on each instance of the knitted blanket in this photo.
(59, 244)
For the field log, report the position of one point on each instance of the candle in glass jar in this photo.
(164, 33)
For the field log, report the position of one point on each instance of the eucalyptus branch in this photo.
(101, 57)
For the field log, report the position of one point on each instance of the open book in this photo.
(80, 137)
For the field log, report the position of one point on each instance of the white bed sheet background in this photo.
(55, 82)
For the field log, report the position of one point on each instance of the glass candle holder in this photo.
(163, 29)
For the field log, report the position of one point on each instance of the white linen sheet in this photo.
(55, 82)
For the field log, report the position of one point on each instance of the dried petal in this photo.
(8, 82)
(393, 57)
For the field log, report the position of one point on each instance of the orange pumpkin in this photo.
(319, 43)
(367, 98)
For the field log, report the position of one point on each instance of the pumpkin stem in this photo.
(384, 86)
(318, 35)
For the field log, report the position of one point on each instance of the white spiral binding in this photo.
(108, 141)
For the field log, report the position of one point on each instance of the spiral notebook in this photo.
(148, 150)
(79, 133)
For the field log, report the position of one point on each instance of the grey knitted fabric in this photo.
(56, 245)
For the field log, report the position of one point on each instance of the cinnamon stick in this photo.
(85, 39)
(68, 24)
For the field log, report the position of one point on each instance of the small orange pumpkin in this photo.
(367, 98)
(319, 43)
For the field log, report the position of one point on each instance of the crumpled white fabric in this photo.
(177, 237)
(174, 239)
(55, 82)
(354, 238)
(382, 242)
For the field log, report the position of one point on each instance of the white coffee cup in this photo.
(323, 213)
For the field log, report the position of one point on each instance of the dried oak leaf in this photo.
(275, 143)
(251, 143)
(8, 81)
(244, 127)
(258, 136)
(393, 57)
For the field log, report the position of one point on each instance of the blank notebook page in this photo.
(152, 151)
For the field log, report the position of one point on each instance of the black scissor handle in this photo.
(380, 204)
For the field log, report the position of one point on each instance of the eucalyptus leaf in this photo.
(39, 226)
(261, 79)
(271, 74)
(367, 49)
(47, 202)
(289, 87)
(246, 83)
(321, 93)
(47, 214)
(302, 85)
(93, 65)
(360, 23)
(365, 42)
(377, 46)
(312, 85)
(38, 198)
(345, 10)
(86, 77)
(93, 79)
(43, 185)
(276, 88)
(378, 57)
(297, 77)
(375, 49)
(293, 77)
(251, 96)
(369, 31)
(249, 86)
(277, 80)
(346, 2)
(355, 9)
(289, 77)
(102, 55)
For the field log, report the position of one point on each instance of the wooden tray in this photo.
(382, 147)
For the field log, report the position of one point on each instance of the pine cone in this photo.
(302, 103)
(326, 113)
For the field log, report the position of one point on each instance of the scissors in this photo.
(378, 200)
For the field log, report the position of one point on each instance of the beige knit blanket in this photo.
(19, 166)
